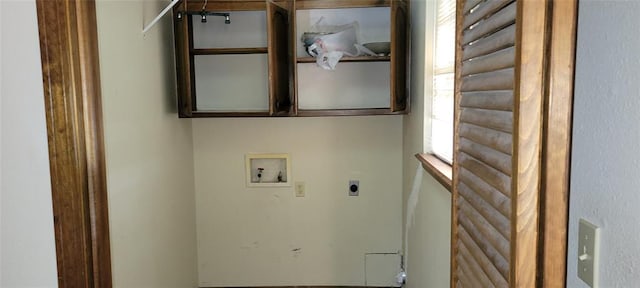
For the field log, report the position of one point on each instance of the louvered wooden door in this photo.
(497, 150)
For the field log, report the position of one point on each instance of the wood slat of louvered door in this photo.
(498, 102)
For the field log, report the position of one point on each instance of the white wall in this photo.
(248, 236)
(27, 245)
(605, 159)
(148, 150)
(429, 235)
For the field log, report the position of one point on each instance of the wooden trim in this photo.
(335, 4)
(439, 169)
(400, 56)
(527, 146)
(227, 51)
(348, 112)
(301, 113)
(303, 287)
(557, 144)
(205, 114)
(226, 5)
(294, 53)
(183, 63)
(272, 45)
(71, 80)
(279, 25)
(190, 98)
(291, 58)
(457, 96)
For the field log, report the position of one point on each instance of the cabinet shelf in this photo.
(350, 59)
(348, 112)
(208, 114)
(334, 4)
(229, 51)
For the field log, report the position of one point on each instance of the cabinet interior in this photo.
(256, 64)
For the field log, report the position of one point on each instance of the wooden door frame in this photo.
(556, 140)
(71, 80)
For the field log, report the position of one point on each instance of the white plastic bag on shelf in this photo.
(332, 43)
(329, 60)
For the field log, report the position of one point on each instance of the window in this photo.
(443, 84)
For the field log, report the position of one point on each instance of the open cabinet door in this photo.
(281, 79)
(499, 97)
(181, 27)
(399, 55)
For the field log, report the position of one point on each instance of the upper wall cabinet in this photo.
(233, 58)
(239, 58)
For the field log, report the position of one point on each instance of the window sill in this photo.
(439, 169)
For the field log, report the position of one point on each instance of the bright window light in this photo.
(443, 84)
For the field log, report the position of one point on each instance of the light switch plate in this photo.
(588, 248)
(299, 189)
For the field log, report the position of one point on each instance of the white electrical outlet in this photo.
(588, 246)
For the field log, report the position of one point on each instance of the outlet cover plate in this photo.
(356, 191)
